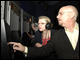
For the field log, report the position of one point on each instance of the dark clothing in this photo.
(26, 40)
(38, 36)
(38, 39)
(60, 44)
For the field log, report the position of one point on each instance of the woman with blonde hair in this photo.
(44, 34)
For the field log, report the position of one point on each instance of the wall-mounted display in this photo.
(12, 5)
(15, 9)
(18, 12)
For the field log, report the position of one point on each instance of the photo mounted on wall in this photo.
(29, 20)
(18, 12)
(30, 24)
(27, 17)
(15, 9)
(12, 5)
(24, 18)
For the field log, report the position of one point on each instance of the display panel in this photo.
(7, 52)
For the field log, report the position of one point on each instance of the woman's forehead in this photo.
(41, 20)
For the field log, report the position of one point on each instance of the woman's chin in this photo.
(40, 30)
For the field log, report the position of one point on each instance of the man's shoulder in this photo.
(53, 30)
(60, 31)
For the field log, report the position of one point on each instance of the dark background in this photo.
(47, 8)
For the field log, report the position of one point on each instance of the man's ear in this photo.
(72, 15)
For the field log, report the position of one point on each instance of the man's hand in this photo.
(78, 57)
(17, 46)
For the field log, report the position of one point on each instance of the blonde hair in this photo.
(47, 19)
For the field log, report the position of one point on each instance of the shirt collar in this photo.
(76, 27)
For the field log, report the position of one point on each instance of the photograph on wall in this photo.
(12, 5)
(15, 9)
(18, 12)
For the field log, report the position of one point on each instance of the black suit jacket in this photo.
(60, 43)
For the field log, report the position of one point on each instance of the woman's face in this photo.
(42, 24)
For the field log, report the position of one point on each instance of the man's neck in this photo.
(71, 27)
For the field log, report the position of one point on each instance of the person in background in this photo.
(27, 38)
(65, 41)
(34, 27)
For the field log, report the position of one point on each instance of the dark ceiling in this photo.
(57, 4)
(43, 2)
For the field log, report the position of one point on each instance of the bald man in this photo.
(65, 41)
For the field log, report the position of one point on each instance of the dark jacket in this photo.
(38, 39)
(38, 36)
(60, 43)
(26, 40)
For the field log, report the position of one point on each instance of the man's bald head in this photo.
(70, 8)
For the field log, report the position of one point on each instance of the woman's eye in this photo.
(42, 23)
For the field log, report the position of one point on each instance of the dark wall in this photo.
(48, 12)
(28, 7)
(37, 10)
